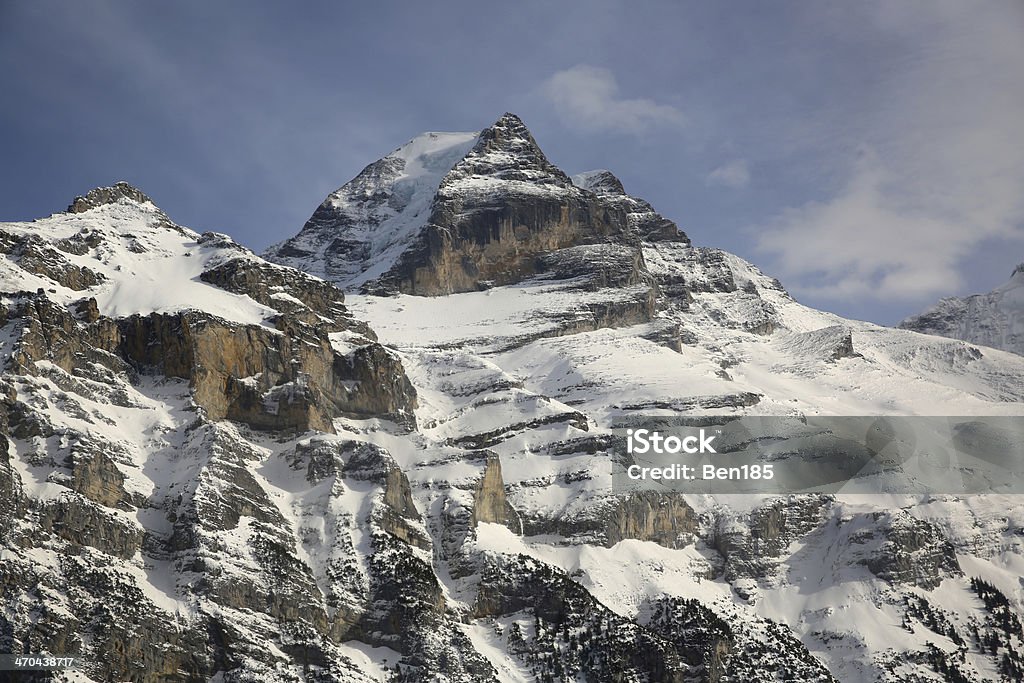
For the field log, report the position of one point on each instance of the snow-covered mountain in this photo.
(215, 467)
(433, 217)
(994, 319)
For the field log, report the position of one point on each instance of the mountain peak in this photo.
(1019, 270)
(645, 220)
(508, 130)
(507, 127)
(506, 151)
(449, 212)
(100, 196)
(601, 181)
(509, 120)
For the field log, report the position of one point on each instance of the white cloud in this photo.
(735, 174)
(588, 96)
(864, 242)
(941, 169)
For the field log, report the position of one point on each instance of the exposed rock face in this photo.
(913, 551)
(251, 374)
(366, 462)
(489, 504)
(650, 516)
(381, 387)
(83, 522)
(132, 640)
(500, 213)
(643, 219)
(704, 638)
(613, 647)
(680, 640)
(107, 195)
(663, 518)
(291, 378)
(722, 651)
(828, 343)
(96, 476)
(75, 373)
(289, 292)
(596, 266)
(11, 503)
(496, 212)
(50, 333)
(354, 235)
(752, 547)
(398, 603)
(712, 284)
(495, 436)
(36, 256)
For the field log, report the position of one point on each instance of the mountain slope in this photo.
(994, 319)
(381, 211)
(227, 475)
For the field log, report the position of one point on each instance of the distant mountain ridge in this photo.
(993, 319)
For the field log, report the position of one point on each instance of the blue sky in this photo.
(869, 154)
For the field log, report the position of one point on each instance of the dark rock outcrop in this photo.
(663, 518)
(497, 212)
(753, 546)
(648, 223)
(107, 195)
(288, 291)
(265, 379)
(912, 551)
(501, 213)
(609, 647)
(83, 522)
(38, 257)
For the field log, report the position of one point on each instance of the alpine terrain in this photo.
(217, 466)
(995, 319)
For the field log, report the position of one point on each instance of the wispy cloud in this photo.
(941, 168)
(588, 96)
(735, 174)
